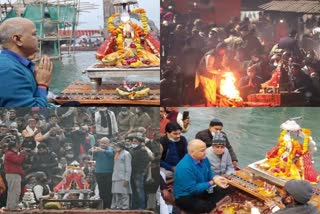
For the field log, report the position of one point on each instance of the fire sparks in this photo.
(228, 88)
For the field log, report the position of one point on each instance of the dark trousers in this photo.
(203, 203)
(104, 181)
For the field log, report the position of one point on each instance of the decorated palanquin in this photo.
(73, 178)
(128, 44)
(290, 159)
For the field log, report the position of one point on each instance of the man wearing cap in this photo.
(195, 184)
(296, 196)
(41, 190)
(206, 136)
(219, 156)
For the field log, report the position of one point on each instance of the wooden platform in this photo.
(106, 94)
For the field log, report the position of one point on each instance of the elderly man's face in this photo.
(199, 153)
(29, 39)
(104, 143)
(218, 149)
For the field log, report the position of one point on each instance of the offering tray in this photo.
(264, 174)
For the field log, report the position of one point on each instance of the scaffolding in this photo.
(50, 17)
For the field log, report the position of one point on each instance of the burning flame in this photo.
(228, 88)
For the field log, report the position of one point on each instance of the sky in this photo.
(94, 18)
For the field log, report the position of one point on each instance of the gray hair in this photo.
(194, 144)
(105, 139)
(10, 27)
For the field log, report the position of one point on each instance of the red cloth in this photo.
(13, 163)
(163, 123)
(172, 116)
(310, 172)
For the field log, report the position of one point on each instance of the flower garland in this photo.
(305, 146)
(295, 147)
(120, 43)
(144, 19)
(111, 28)
(118, 32)
(297, 151)
(282, 143)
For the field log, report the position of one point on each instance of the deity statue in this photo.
(73, 178)
(291, 159)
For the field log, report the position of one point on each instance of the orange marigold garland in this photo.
(111, 28)
(120, 43)
(296, 152)
(305, 146)
(282, 143)
(144, 19)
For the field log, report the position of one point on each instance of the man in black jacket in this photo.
(139, 165)
(174, 148)
(206, 136)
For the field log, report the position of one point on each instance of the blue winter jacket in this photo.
(18, 87)
(191, 178)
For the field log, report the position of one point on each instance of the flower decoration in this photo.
(111, 28)
(144, 19)
(120, 43)
(281, 164)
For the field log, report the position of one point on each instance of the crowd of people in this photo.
(196, 54)
(116, 149)
(195, 174)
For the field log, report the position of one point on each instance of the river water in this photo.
(71, 68)
(253, 131)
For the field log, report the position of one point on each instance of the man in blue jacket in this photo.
(104, 156)
(196, 188)
(21, 83)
